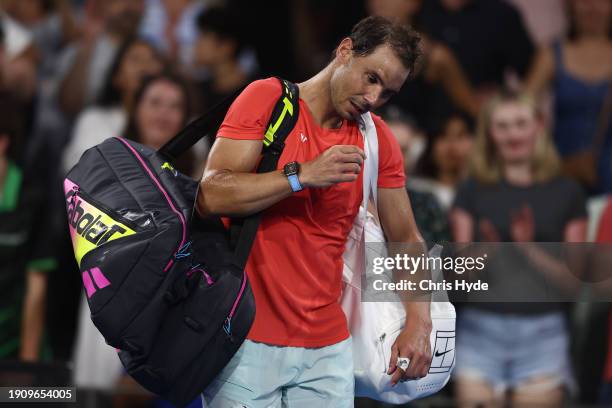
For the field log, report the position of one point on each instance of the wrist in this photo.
(418, 311)
(303, 175)
(291, 170)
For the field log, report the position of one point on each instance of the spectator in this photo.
(217, 49)
(161, 109)
(441, 78)
(545, 19)
(50, 24)
(135, 59)
(488, 38)
(428, 214)
(445, 160)
(19, 59)
(85, 64)
(170, 25)
(579, 72)
(7, 88)
(515, 194)
(25, 250)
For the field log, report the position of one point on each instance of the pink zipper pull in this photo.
(209, 280)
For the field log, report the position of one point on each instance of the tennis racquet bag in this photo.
(165, 287)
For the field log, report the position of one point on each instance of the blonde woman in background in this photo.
(515, 352)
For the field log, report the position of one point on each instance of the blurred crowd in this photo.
(505, 132)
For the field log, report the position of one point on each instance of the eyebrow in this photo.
(389, 91)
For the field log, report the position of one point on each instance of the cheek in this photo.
(498, 136)
(144, 116)
(175, 119)
(439, 152)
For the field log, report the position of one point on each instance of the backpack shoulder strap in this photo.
(282, 121)
(205, 125)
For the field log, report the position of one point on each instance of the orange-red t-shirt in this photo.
(295, 265)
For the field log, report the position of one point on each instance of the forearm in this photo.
(416, 302)
(241, 194)
(554, 269)
(72, 88)
(33, 318)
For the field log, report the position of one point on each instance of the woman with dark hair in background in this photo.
(443, 164)
(579, 72)
(135, 59)
(160, 110)
(515, 194)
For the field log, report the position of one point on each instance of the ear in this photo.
(344, 52)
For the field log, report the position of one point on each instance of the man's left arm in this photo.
(413, 342)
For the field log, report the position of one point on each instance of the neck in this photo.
(449, 178)
(227, 76)
(316, 93)
(518, 173)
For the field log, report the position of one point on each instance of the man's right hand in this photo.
(338, 164)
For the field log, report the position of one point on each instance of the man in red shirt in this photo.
(298, 351)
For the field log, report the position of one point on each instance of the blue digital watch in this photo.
(291, 170)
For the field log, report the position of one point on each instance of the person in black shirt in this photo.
(26, 252)
(488, 38)
(217, 49)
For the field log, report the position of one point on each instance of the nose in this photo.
(371, 98)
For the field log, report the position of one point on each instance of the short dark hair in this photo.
(111, 94)
(223, 22)
(12, 122)
(374, 31)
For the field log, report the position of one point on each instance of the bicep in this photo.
(541, 71)
(232, 155)
(396, 215)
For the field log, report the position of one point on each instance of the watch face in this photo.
(291, 168)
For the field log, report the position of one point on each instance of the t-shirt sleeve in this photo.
(249, 114)
(390, 161)
(577, 208)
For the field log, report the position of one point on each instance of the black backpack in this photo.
(165, 287)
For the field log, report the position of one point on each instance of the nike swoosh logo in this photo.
(438, 354)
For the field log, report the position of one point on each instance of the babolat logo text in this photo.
(89, 226)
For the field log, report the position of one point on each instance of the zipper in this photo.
(197, 268)
(381, 343)
(389, 329)
(166, 196)
(227, 325)
(105, 209)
